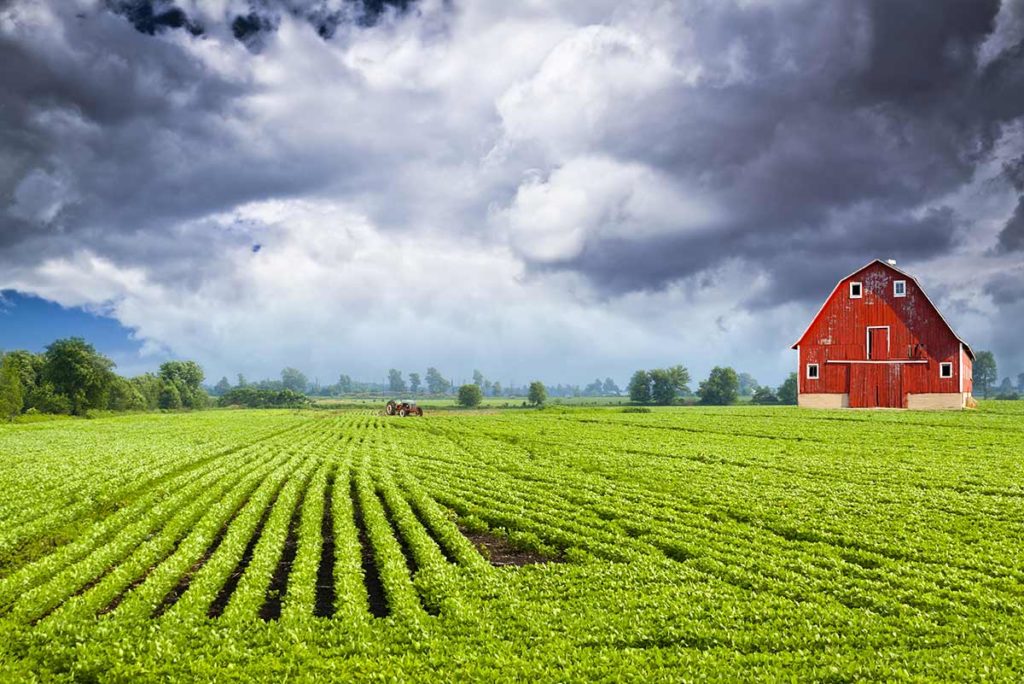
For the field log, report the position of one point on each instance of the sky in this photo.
(540, 189)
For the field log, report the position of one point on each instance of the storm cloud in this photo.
(689, 178)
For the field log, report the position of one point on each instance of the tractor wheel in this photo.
(403, 413)
(419, 411)
(390, 408)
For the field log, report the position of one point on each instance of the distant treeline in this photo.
(431, 383)
(662, 386)
(71, 377)
(253, 397)
(724, 386)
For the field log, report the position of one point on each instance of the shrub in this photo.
(470, 396)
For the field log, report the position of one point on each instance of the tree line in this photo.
(432, 383)
(723, 386)
(471, 395)
(71, 377)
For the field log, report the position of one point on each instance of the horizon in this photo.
(560, 192)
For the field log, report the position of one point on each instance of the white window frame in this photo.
(944, 365)
(896, 288)
(817, 371)
(860, 290)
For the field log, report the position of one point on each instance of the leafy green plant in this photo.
(743, 544)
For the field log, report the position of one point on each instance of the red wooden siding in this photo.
(907, 329)
(968, 370)
(876, 385)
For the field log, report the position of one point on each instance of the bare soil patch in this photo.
(500, 552)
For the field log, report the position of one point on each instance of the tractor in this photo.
(402, 408)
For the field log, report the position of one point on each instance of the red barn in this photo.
(879, 342)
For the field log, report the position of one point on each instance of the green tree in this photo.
(496, 389)
(680, 378)
(11, 398)
(148, 386)
(170, 397)
(124, 396)
(667, 383)
(538, 393)
(294, 380)
(609, 387)
(79, 372)
(188, 373)
(414, 383)
(242, 382)
(436, 384)
(787, 391)
(478, 379)
(764, 395)
(30, 368)
(721, 388)
(395, 381)
(222, 387)
(344, 385)
(45, 399)
(985, 372)
(470, 395)
(187, 378)
(747, 384)
(640, 387)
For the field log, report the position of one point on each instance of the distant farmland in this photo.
(686, 543)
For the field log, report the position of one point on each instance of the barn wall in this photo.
(968, 367)
(840, 333)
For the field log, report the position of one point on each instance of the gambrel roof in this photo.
(906, 275)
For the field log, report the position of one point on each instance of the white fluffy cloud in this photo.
(596, 198)
(588, 83)
(329, 292)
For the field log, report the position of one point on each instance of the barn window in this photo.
(856, 290)
(812, 371)
(946, 370)
(899, 288)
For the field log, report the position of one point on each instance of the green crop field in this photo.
(577, 544)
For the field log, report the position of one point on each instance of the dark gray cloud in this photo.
(1011, 238)
(260, 16)
(1007, 288)
(150, 16)
(854, 122)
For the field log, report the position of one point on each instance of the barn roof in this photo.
(889, 266)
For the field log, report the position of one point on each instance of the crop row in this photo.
(496, 482)
(296, 525)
